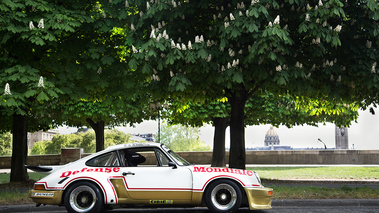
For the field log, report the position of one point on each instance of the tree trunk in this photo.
(237, 154)
(19, 149)
(218, 155)
(99, 132)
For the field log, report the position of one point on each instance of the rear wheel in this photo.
(83, 197)
(223, 196)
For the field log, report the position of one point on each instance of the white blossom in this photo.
(41, 24)
(247, 13)
(231, 17)
(178, 46)
(226, 24)
(189, 45)
(197, 39)
(278, 68)
(99, 71)
(308, 7)
(134, 49)
(277, 20)
(147, 5)
(173, 45)
(126, 3)
(132, 27)
(174, 4)
(318, 40)
(171, 74)
(141, 14)
(31, 25)
(254, 2)
(240, 13)
(331, 77)
(40, 82)
(222, 68)
(324, 24)
(209, 43)
(7, 90)
(209, 58)
(152, 34)
(214, 17)
(184, 47)
(307, 17)
(309, 75)
(270, 24)
(320, 4)
(338, 28)
(339, 78)
(201, 38)
(368, 44)
(229, 66)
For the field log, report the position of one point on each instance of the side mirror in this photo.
(172, 164)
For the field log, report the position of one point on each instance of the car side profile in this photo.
(147, 174)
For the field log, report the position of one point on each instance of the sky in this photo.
(363, 135)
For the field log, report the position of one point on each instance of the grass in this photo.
(311, 192)
(10, 193)
(318, 173)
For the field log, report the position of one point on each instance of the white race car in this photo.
(147, 174)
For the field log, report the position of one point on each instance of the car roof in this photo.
(130, 145)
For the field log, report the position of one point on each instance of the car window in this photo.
(146, 156)
(109, 159)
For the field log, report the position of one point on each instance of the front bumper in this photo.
(259, 198)
(46, 197)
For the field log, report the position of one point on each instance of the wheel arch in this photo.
(97, 184)
(237, 182)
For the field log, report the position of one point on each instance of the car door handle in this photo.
(128, 173)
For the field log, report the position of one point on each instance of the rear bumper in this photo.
(46, 197)
(259, 198)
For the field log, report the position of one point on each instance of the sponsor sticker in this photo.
(39, 194)
(224, 170)
(161, 202)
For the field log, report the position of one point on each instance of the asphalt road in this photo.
(282, 206)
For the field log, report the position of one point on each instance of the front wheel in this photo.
(223, 196)
(83, 197)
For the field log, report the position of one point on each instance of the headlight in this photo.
(258, 178)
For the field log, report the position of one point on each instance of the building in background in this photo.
(342, 139)
(272, 138)
(40, 136)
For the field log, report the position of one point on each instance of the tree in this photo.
(265, 109)
(182, 138)
(85, 140)
(319, 49)
(32, 33)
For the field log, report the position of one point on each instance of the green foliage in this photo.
(182, 138)
(82, 140)
(5, 144)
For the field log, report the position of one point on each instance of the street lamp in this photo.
(158, 106)
(319, 140)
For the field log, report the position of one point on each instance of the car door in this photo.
(153, 178)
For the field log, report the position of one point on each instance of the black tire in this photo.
(223, 196)
(83, 197)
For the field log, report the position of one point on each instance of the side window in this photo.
(146, 156)
(162, 158)
(108, 159)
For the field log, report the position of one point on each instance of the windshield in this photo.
(181, 161)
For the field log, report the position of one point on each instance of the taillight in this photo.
(270, 193)
(39, 187)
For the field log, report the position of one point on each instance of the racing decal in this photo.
(161, 202)
(39, 194)
(226, 170)
(103, 170)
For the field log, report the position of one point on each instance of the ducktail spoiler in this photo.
(43, 169)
